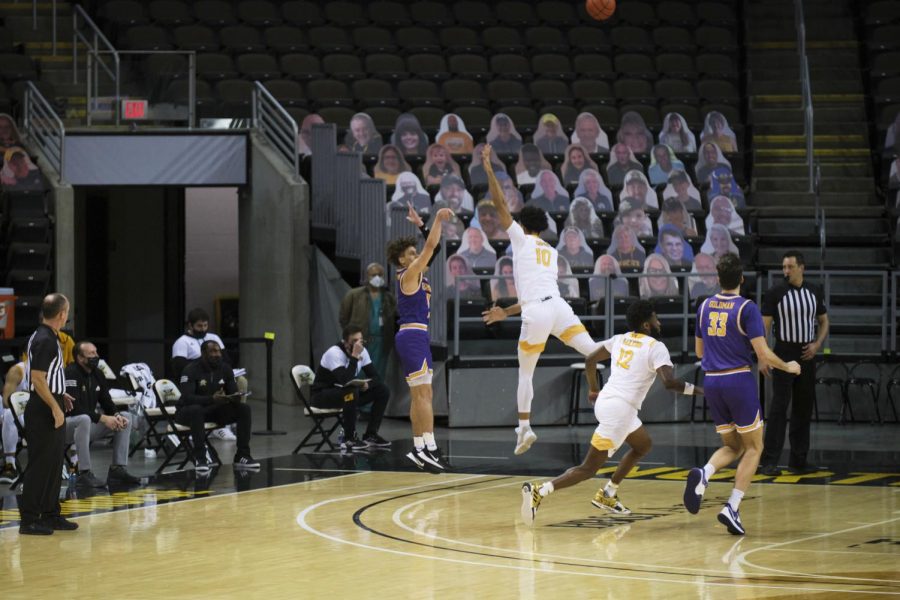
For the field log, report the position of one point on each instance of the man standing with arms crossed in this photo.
(45, 423)
(544, 312)
(728, 326)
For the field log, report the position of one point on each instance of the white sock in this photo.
(735, 500)
(428, 436)
(708, 470)
(611, 489)
(524, 423)
(546, 489)
(418, 442)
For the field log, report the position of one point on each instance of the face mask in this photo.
(93, 362)
(198, 334)
(377, 281)
(214, 362)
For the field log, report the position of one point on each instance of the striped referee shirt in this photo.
(45, 354)
(794, 311)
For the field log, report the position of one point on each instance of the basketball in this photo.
(600, 10)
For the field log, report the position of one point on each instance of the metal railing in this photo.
(44, 128)
(888, 298)
(609, 316)
(275, 124)
(93, 40)
(806, 102)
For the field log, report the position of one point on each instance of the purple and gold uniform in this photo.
(412, 341)
(726, 324)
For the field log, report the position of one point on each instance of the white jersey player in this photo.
(544, 312)
(637, 358)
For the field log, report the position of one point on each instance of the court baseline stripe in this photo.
(302, 521)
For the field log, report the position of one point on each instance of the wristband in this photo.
(688, 389)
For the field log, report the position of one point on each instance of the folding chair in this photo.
(302, 375)
(17, 403)
(167, 395)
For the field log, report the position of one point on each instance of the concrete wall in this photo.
(210, 247)
(274, 281)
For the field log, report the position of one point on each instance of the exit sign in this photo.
(134, 109)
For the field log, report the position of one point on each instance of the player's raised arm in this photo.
(679, 386)
(495, 189)
(419, 265)
(768, 358)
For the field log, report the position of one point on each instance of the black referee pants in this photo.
(350, 399)
(798, 391)
(43, 475)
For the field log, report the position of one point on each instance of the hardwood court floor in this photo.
(411, 535)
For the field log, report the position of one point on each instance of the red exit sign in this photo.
(134, 109)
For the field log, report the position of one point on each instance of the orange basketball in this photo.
(600, 10)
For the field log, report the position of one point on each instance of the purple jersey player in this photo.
(729, 326)
(412, 342)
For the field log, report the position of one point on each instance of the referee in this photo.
(801, 325)
(45, 423)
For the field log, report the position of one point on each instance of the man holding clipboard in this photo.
(347, 379)
(209, 393)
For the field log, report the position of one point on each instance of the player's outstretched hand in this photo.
(793, 367)
(412, 216)
(486, 151)
(592, 397)
(445, 214)
(494, 314)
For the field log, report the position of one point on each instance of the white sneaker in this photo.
(525, 437)
(225, 434)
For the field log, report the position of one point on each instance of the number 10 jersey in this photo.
(535, 267)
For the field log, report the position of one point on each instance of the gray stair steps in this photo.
(847, 226)
(805, 199)
(845, 258)
(819, 128)
(767, 169)
(823, 114)
(872, 211)
(826, 184)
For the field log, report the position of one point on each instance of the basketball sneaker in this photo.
(201, 466)
(425, 460)
(9, 473)
(243, 460)
(525, 437)
(531, 500)
(731, 519)
(694, 490)
(373, 440)
(610, 503)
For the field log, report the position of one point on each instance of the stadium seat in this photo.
(342, 13)
(215, 13)
(259, 13)
(170, 13)
(302, 13)
(216, 67)
(285, 39)
(199, 38)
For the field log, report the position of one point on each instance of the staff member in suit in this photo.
(801, 325)
(45, 431)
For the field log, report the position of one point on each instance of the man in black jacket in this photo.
(84, 424)
(342, 364)
(209, 393)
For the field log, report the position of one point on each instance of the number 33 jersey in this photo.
(635, 357)
(535, 267)
(726, 324)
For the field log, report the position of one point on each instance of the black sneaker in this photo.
(770, 470)
(245, 461)
(438, 457)
(35, 529)
(354, 444)
(8, 473)
(58, 523)
(118, 474)
(376, 441)
(88, 479)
